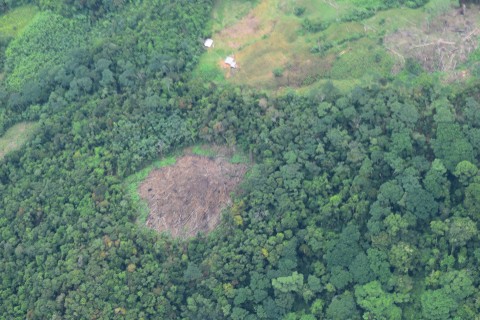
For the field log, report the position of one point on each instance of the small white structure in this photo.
(231, 62)
(208, 43)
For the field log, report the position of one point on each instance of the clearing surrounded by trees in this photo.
(187, 198)
(15, 137)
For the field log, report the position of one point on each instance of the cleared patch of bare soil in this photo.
(188, 197)
(440, 44)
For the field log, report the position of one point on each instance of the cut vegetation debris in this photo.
(440, 43)
(188, 197)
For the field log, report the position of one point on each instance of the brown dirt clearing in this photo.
(439, 44)
(188, 197)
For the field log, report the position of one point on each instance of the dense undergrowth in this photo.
(363, 204)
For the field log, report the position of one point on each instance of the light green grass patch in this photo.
(203, 150)
(364, 3)
(239, 157)
(438, 7)
(234, 156)
(362, 58)
(15, 137)
(321, 10)
(133, 182)
(393, 19)
(13, 22)
(208, 67)
(341, 32)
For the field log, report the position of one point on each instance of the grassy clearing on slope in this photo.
(263, 40)
(361, 58)
(231, 154)
(280, 44)
(14, 22)
(15, 137)
(273, 50)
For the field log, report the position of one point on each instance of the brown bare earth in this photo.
(439, 44)
(188, 197)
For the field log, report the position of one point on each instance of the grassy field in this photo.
(15, 137)
(13, 22)
(302, 44)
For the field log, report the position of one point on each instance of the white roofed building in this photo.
(208, 43)
(231, 62)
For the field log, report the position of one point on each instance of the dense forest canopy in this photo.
(360, 204)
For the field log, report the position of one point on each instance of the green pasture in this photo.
(209, 151)
(203, 150)
(343, 51)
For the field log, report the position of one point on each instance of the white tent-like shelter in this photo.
(231, 62)
(208, 43)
